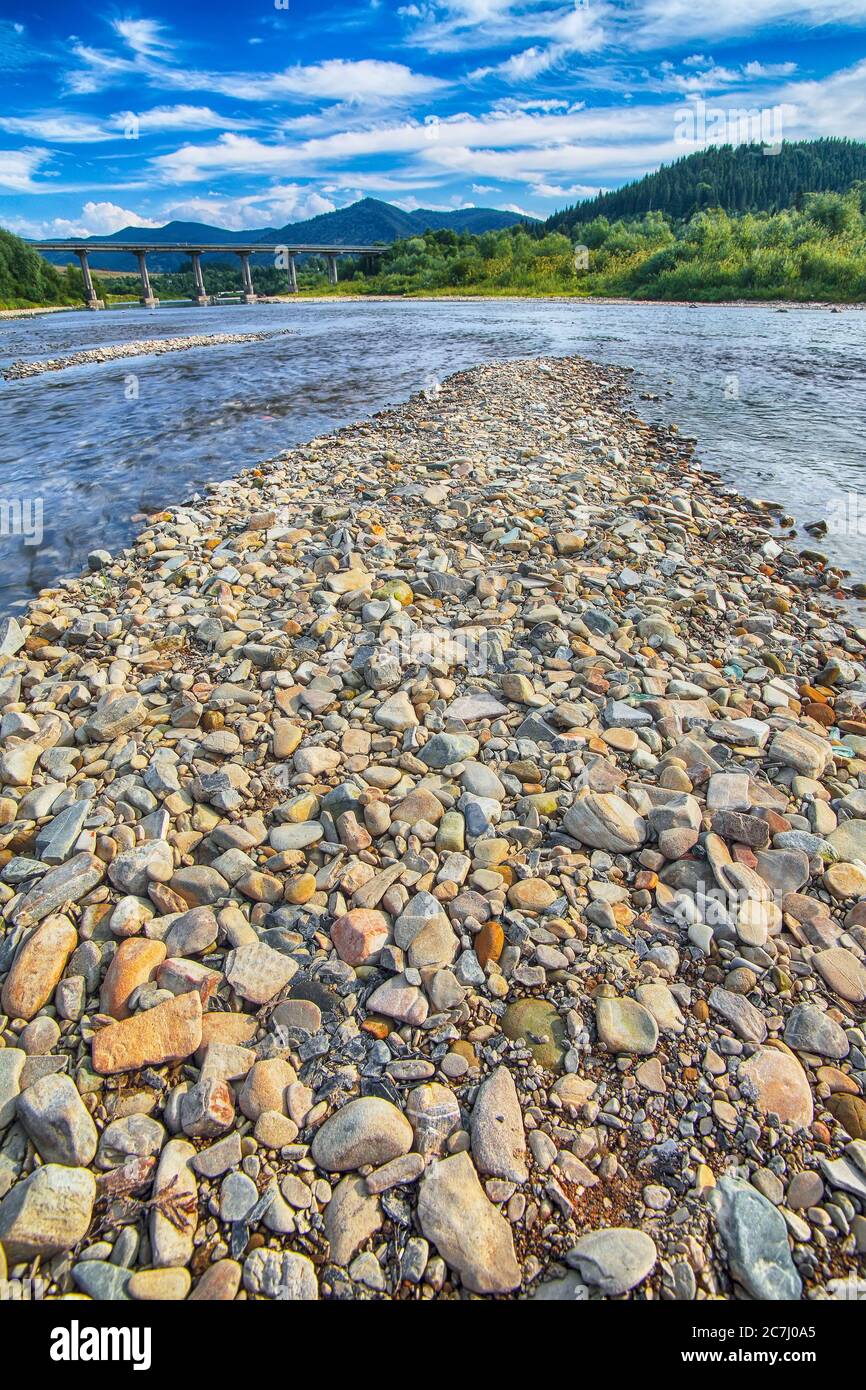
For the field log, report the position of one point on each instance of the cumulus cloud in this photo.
(96, 219)
(273, 208)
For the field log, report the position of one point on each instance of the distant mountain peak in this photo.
(369, 220)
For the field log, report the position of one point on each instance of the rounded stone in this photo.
(531, 895)
(538, 1026)
(37, 967)
(367, 1130)
(624, 1025)
(850, 1113)
(778, 1085)
(614, 1260)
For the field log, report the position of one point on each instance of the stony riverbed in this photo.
(434, 865)
(141, 347)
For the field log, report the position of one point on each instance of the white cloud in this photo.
(567, 150)
(144, 36)
(572, 27)
(363, 81)
(97, 219)
(575, 190)
(273, 208)
(660, 23)
(60, 128)
(71, 129)
(17, 168)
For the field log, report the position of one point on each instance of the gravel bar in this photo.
(433, 865)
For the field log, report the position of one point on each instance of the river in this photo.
(774, 398)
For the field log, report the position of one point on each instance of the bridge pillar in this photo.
(146, 299)
(249, 292)
(293, 275)
(332, 269)
(200, 296)
(90, 296)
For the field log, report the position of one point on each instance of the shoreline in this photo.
(472, 796)
(305, 298)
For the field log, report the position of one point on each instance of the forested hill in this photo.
(27, 279)
(741, 179)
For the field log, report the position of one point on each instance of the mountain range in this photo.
(367, 221)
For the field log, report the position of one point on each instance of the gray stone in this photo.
(47, 1212)
(498, 1138)
(282, 1275)
(614, 1260)
(55, 1117)
(366, 1130)
(756, 1241)
(810, 1030)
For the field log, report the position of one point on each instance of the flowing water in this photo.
(775, 399)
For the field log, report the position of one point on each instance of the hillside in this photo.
(26, 278)
(741, 179)
(368, 220)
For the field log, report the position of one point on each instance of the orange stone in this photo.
(135, 961)
(489, 942)
(822, 714)
(359, 935)
(377, 1027)
(169, 1032)
(38, 965)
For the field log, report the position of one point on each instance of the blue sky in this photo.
(256, 114)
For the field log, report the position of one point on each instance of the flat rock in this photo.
(498, 1137)
(38, 965)
(779, 1086)
(615, 1260)
(171, 1238)
(605, 821)
(467, 1230)
(624, 1025)
(808, 1029)
(352, 1216)
(756, 1241)
(169, 1032)
(257, 972)
(739, 1014)
(538, 1025)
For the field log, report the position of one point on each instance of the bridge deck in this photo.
(253, 247)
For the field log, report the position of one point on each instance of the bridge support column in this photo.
(90, 296)
(332, 269)
(249, 292)
(200, 296)
(146, 299)
(293, 275)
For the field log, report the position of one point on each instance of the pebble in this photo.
(614, 1260)
(367, 1130)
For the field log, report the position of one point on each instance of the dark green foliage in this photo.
(27, 279)
(815, 253)
(744, 179)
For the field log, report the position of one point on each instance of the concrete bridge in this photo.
(284, 259)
